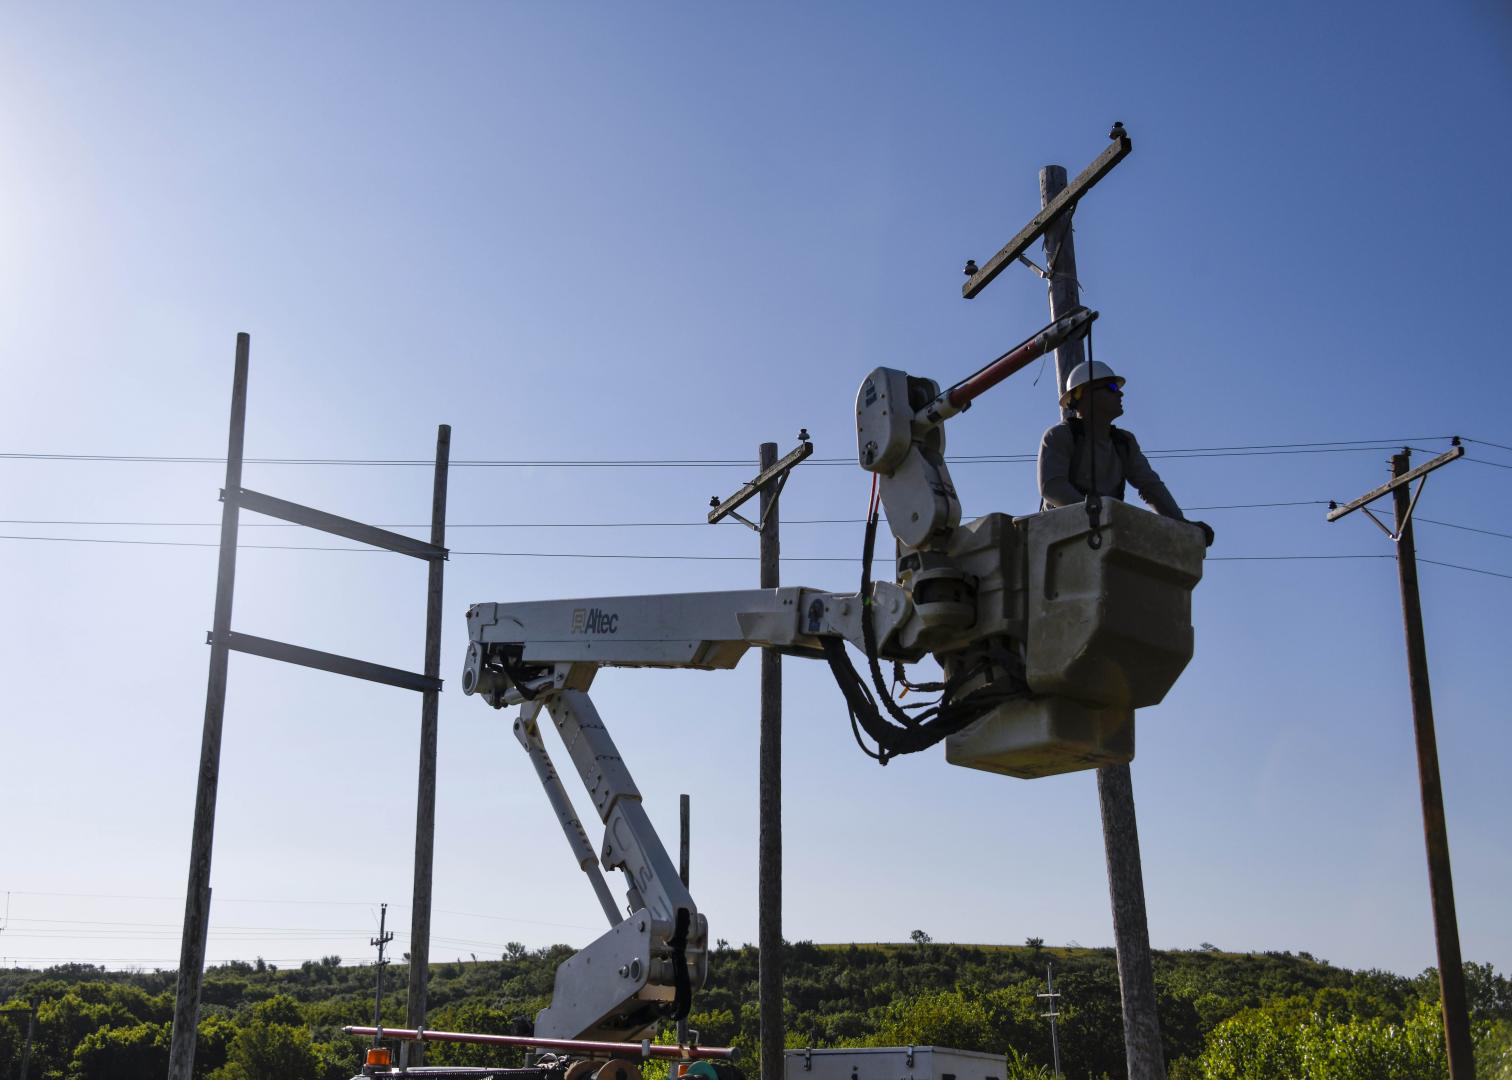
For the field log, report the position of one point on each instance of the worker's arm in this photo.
(1055, 484)
(1146, 481)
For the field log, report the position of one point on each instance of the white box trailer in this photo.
(892, 1063)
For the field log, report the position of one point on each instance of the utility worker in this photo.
(1087, 445)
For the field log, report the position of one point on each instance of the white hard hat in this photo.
(1085, 373)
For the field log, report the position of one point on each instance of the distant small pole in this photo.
(31, 1027)
(202, 839)
(769, 841)
(1053, 1014)
(1435, 831)
(684, 836)
(383, 938)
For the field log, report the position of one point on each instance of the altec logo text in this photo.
(594, 621)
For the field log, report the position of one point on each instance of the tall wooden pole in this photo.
(197, 895)
(769, 844)
(425, 798)
(1060, 255)
(1435, 831)
(1115, 785)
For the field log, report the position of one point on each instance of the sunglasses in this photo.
(1113, 386)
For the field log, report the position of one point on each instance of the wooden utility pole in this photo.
(1060, 269)
(197, 895)
(768, 483)
(1435, 831)
(769, 844)
(1115, 785)
(425, 797)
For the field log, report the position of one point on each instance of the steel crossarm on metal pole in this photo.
(1053, 211)
(775, 473)
(324, 661)
(339, 526)
(1391, 485)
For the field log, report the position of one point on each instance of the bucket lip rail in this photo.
(643, 1049)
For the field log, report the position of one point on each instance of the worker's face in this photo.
(1104, 400)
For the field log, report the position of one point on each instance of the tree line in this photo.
(1223, 1016)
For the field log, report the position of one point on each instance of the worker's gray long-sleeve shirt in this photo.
(1059, 488)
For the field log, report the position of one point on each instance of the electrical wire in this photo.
(1417, 519)
(550, 524)
(1468, 569)
(658, 558)
(1332, 446)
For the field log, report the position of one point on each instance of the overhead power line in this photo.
(631, 556)
(1319, 447)
(699, 524)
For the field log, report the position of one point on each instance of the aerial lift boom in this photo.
(1047, 643)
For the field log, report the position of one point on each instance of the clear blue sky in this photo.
(673, 232)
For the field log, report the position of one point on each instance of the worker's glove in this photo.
(1207, 532)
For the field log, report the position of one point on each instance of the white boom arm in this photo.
(545, 654)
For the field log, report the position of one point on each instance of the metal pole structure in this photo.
(1115, 785)
(197, 895)
(769, 844)
(1435, 832)
(425, 797)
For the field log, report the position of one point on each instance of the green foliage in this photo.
(139, 1052)
(1263, 1043)
(1493, 1051)
(216, 1033)
(1222, 1015)
(271, 1051)
(484, 1019)
(938, 1018)
(1020, 1067)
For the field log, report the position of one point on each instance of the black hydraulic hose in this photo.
(892, 740)
(682, 993)
(518, 674)
(869, 632)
